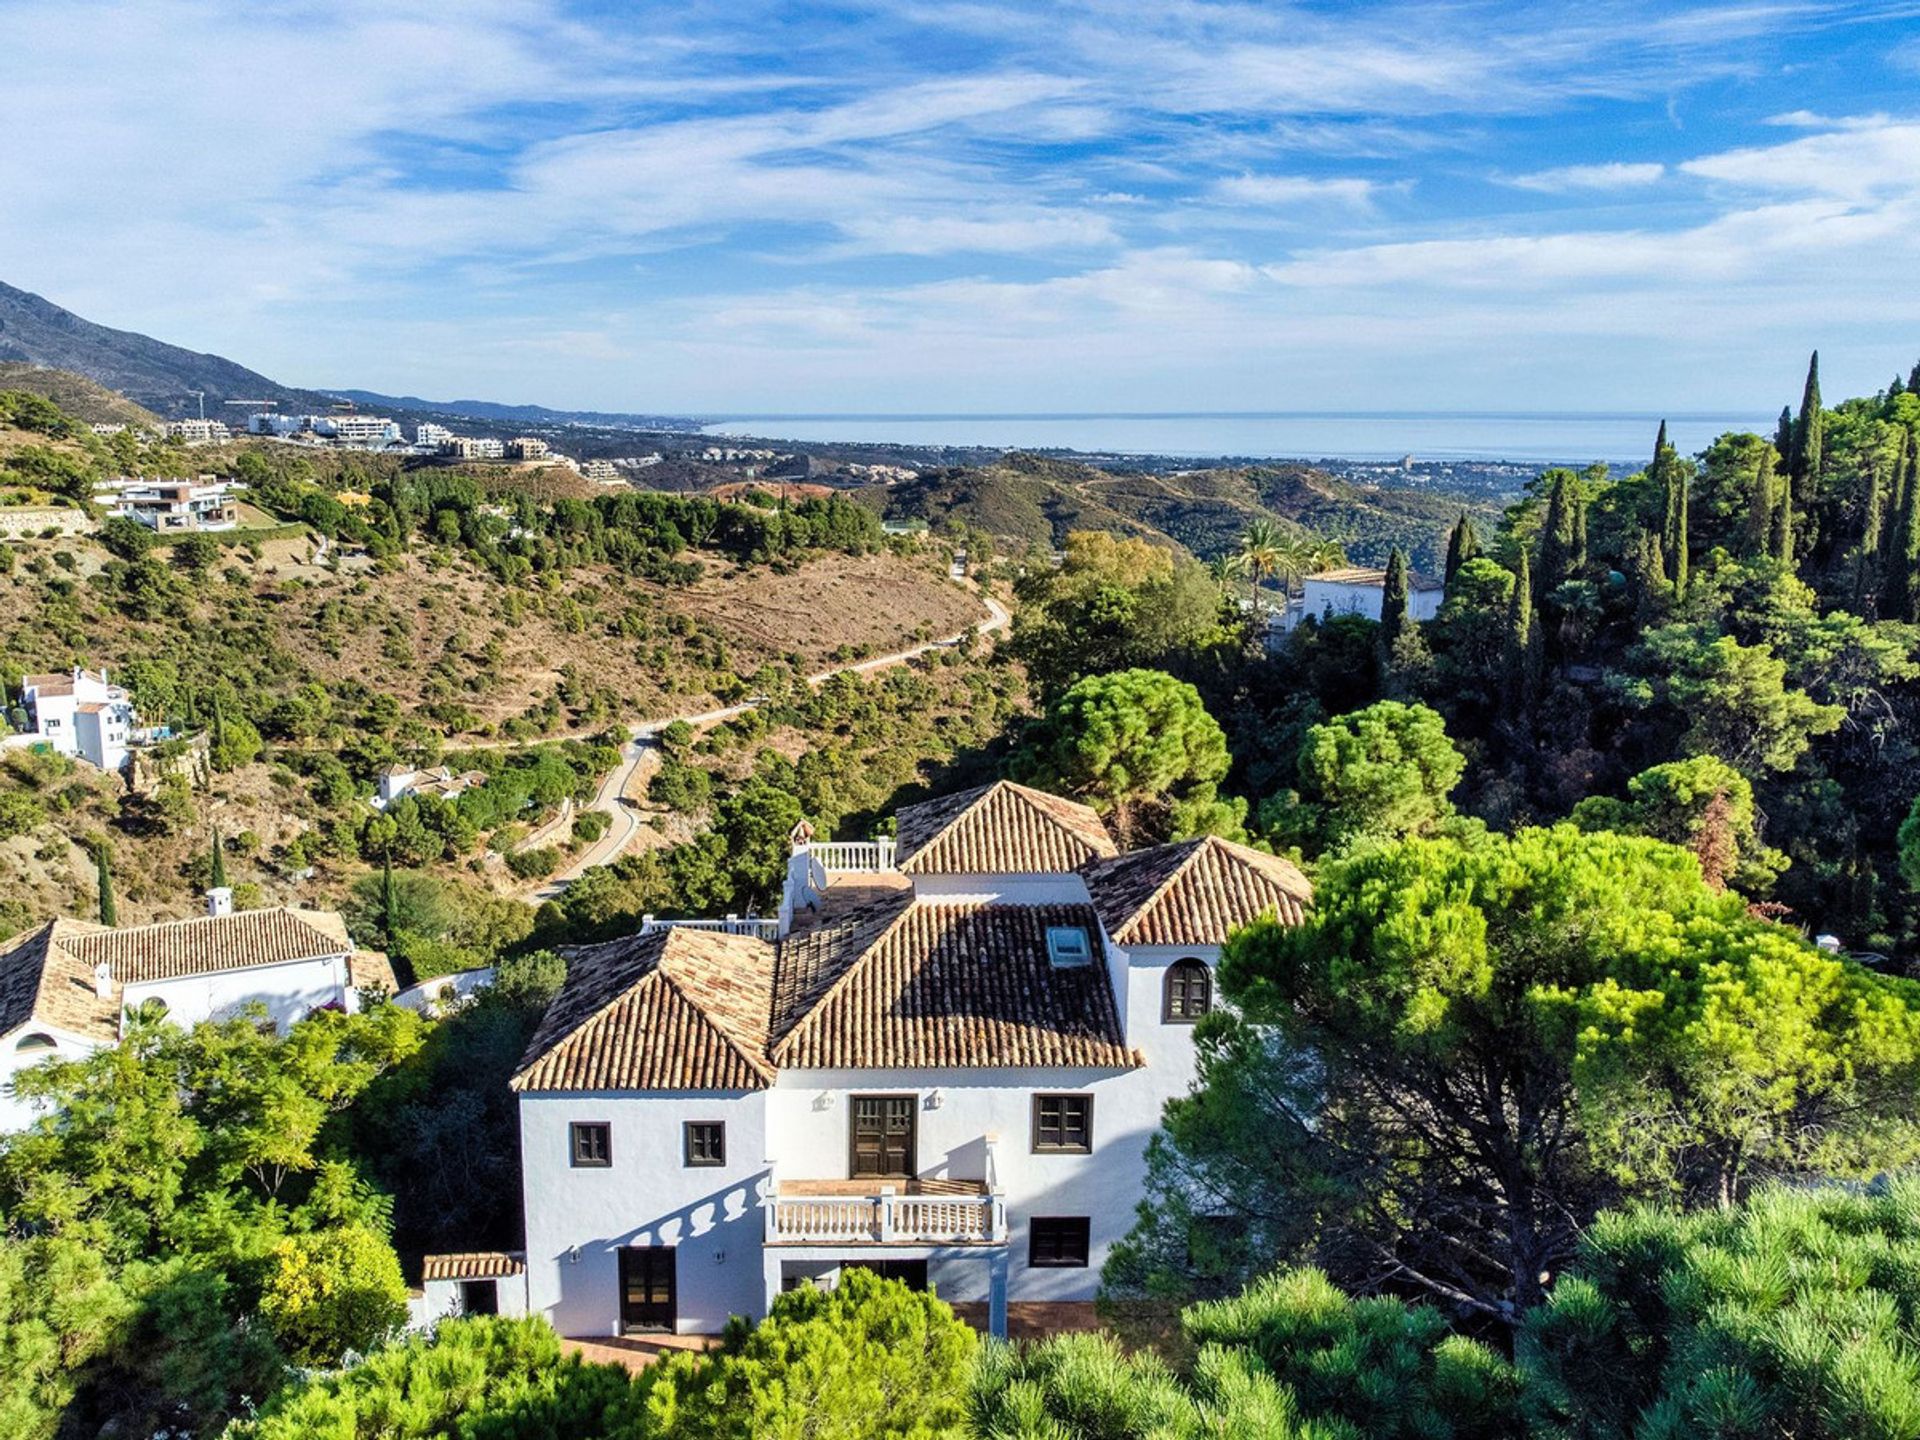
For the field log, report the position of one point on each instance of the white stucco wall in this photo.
(288, 991)
(647, 1196)
(439, 1300)
(1320, 598)
(16, 1114)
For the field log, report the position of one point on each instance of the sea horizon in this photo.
(1490, 436)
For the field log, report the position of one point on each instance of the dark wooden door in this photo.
(647, 1287)
(883, 1136)
(911, 1273)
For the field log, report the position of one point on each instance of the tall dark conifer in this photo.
(1782, 539)
(103, 883)
(1809, 446)
(1872, 525)
(1783, 435)
(1671, 475)
(1556, 534)
(389, 902)
(1462, 545)
(1393, 602)
(1913, 378)
(1523, 652)
(1761, 505)
(1659, 448)
(1901, 594)
(217, 877)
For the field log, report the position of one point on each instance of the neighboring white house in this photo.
(398, 780)
(469, 447)
(947, 1068)
(1360, 590)
(431, 436)
(196, 432)
(173, 506)
(353, 430)
(65, 987)
(80, 713)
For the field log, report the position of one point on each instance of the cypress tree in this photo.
(1897, 502)
(1523, 647)
(1393, 601)
(1462, 545)
(1871, 539)
(1782, 543)
(218, 739)
(1678, 542)
(218, 878)
(1556, 534)
(1761, 505)
(1659, 449)
(389, 900)
(103, 882)
(1579, 557)
(1809, 441)
(1783, 435)
(1913, 378)
(1901, 597)
(1897, 388)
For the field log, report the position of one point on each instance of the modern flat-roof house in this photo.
(172, 507)
(80, 713)
(945, 1067)
(66, 986)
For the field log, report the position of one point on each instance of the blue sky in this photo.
(967, 205)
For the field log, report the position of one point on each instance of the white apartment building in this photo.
(174, 506)
(468, 447)
(66, 987)
(526, 447)
(431, 436)
(80, 713)
(196, 432)
(357, 430)
(604, 471)
(946, 1067)
(268, 423)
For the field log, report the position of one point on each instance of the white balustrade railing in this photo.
(886, 1220)
(767, 929)
(841, 857)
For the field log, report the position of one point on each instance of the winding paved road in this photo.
(642, 752)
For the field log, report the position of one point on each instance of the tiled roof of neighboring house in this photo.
(212, 943)
(92, 707)
(49, 686)
(1366, 575)
(925, 983)
(372, 968)
(675, 1009)
(999, 829)
(1197, 892)
(41, 978)
(473, 1265)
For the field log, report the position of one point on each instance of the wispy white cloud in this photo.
(1608, 175)
(1296, 190)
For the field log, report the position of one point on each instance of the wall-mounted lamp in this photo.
(719, 1257)
(823, 1101)
(935, 1100)
(573, 1255)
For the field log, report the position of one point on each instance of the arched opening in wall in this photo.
(38, 1043)
(1188, 992)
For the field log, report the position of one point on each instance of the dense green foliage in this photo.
(869, 1360)
(1471, 1045)
(186, 1223)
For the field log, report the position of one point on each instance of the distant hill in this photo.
(153, 373)
(1034, 500)
(80, 397)
(515, 414)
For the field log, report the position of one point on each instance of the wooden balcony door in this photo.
(647, 1288)
(883, 1136)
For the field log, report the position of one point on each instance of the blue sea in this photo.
(1522, 437)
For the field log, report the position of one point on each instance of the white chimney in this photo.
(103, 980)
(220, 901)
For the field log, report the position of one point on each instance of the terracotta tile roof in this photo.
(473, 1265)
(372, 967)
(999, 829)
(923, 983)
(210, 944)
(677, 1009)
(49, 686)
(41, 978)
(1197, 892)
(1366, 575)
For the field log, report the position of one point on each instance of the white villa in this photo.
(1360, 590)
(945, 1065)
(172, 507)
(81, 713)
(66, 986)
(440, 782)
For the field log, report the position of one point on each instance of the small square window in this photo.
(1062, 1124)
(1058, 1242)
(1068, 946)
(592, 1144)
(706, 1142)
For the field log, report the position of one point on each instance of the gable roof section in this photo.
(674, 1009)
(42, 979)
(1197, 892)
(1367, 575)
(175, 949)
(1001, 828)
(921, 983)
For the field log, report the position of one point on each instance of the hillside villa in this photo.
(82, 714)
(943, 1062)
(68, 987)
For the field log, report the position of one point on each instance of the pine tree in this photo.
(218, 878)
(1462, 545)
(1760, 508)
(103, 881)
(1393, 601)
(1523, 642)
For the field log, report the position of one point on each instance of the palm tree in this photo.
(1261, 554)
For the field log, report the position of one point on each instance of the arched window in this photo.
(39, 1040)
(1189, 992)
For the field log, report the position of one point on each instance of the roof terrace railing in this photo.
(763, 929)
(846, 857)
